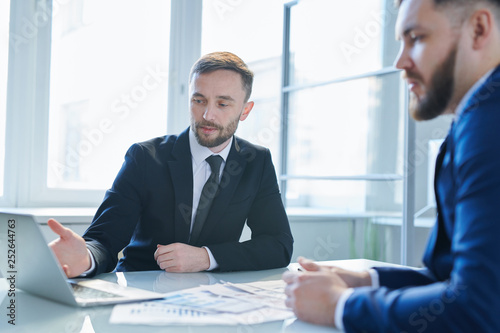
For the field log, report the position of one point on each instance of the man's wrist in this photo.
(366, 279)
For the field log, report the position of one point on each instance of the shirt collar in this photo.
(475, 87)
(199, 153)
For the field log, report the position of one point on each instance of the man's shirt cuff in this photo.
(375, 278)
(339, 310)
(92, 265)
(213, 262)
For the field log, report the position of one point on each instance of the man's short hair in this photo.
(465, 7)
(228, 61)
(458, 2)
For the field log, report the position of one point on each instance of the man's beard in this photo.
(439, 92)
(225, 133)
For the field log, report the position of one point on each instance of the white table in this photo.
(34, 314)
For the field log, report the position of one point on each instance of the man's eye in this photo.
(222, 104)
(415, 38)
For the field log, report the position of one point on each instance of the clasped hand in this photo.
(314, 293)
(179, 258)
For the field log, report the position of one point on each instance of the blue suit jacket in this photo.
(459, 291)
(150, 203)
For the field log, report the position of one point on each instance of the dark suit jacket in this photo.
(150, 203)
(459, 291)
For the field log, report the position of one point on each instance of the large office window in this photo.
(253, 31)
(343, 106)
(90, 78)
(4, 51)
(350, 153)
(344, 109)
(108, 87)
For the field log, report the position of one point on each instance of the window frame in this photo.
(408, 175)
(27, 111)
(4, 107)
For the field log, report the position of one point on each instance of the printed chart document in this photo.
(216, 304)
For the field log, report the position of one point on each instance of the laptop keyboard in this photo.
(90, 293)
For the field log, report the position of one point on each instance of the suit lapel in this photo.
(439, 163)
(181, 171)
(231, 176)
(438, 233)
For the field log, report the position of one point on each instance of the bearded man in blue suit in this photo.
(450, 56)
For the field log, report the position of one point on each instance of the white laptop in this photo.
(26, 258)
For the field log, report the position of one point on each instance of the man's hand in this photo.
(182, 258)
(352, 279)
(313, 296)
(70, 250)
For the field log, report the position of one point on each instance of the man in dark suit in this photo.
(179, 203)
(450, 56)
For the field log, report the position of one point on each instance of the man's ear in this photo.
(246, 111)
(481, 27)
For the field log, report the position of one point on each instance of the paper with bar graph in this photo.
(216, 304)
